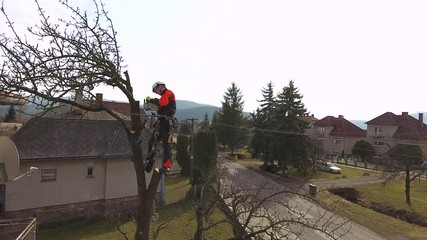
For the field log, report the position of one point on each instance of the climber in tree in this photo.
(166, 112)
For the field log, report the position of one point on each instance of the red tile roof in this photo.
(408, 126)
(341, 127)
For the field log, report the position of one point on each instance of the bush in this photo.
(272, 168)
(182, 154)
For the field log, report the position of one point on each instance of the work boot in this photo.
(166, 166)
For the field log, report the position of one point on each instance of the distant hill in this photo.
(185, 104)
(360, 123)
(188, 109)
(195, 112)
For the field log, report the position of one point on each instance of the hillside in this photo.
(185, 104)
(195, 112)
(189, 109)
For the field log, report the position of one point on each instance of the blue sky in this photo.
(353, 58)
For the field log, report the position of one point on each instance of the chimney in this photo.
(99, 99)
(78, 98)
(421, 119)
(340, 116)
(78, 111)
(405, 115)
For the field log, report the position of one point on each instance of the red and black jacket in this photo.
(166, 103)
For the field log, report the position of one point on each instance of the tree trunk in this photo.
(198, 235)
(408, 186)
(145, 209)
(146, 195)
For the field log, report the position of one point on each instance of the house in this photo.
(336, 136)
(310, 120)
(389, 129)
(84, 167)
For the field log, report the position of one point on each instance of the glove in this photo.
(147, 99)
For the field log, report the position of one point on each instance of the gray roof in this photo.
(54, 138)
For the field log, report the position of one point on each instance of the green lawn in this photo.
(393, 194)
(389, 194)
(179, 214)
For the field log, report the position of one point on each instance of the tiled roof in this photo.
(341, 127)
(53, 138)
(122, 107)
(308, 118)
(408, 127)
(65, 111)
(388, 118)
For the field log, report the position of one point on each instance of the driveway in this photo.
(313, 214)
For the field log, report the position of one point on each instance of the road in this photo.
(313, 214)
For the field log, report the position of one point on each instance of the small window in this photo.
(90, 172)
(378, 131)
(378, 143)
(321, 129)
(337, 141)
(48, 175)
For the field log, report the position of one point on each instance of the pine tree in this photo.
(292, 146)
(262, 120)
(228, 121)
(10, 115)
(185, 128)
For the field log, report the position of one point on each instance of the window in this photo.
(48, 175)
(90, 172)
(378, 131)
(321, 129)
(378, 143)
(337, 141)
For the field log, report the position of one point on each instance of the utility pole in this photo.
(192, 147)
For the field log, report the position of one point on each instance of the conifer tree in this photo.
(292, 146)
(10, 115)
(228, 121)
(182, 153)
(262, 120)
(205, 154)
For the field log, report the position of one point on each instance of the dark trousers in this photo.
(164, 137)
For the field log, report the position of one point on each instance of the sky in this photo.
(358, 59)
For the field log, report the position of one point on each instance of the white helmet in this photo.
(157, 84)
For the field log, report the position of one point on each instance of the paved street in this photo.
(312, 213)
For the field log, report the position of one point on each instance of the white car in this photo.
(329, 167)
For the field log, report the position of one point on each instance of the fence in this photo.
(18, 229)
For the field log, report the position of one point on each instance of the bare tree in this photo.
(54, 59)
(407, 159)
(259, 210)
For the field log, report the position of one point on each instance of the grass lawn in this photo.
(378, 222)
(178, 212)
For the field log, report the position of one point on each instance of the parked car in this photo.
(328, 167)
